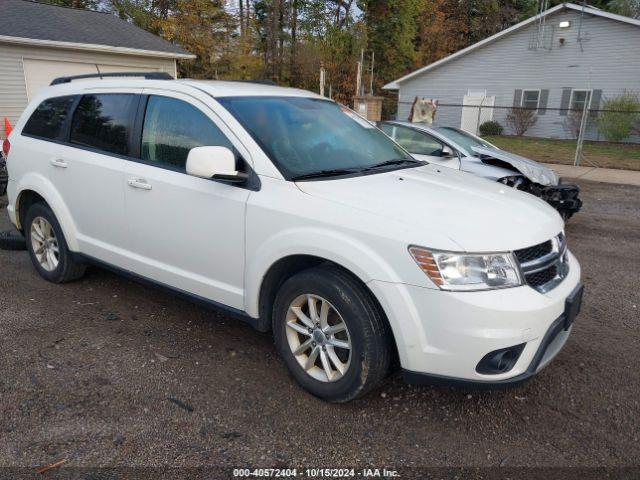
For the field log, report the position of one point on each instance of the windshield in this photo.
(462, 138)
(314, 137)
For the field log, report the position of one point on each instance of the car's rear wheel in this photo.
(330, 334)
(47, 246)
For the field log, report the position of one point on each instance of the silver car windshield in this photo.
(462, 138)
(309, 137)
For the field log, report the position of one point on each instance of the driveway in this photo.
(107, 372)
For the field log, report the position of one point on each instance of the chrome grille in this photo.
(544, 265)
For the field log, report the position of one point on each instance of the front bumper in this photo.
(563, 197)
(442, 336)
(551, 344)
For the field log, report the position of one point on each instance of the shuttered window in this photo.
(580, 99)
(530, 99)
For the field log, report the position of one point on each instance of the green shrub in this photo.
(620, 117)
(490, 128)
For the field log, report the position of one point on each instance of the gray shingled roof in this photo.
(31, 20)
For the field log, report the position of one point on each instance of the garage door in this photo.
(39, 73)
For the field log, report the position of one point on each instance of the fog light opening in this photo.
(499, 361)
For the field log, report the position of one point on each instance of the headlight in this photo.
(467, 272)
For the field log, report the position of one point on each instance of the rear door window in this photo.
(105, 122)
(48, 120)
(172, 127)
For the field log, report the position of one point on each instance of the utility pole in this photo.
(360, 87)
(583, 124)
(373, 59)
(322, 79)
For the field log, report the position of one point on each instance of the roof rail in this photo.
(146, 75)
(259, 82)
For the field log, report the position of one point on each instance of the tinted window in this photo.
(172, 128)
(104, 122)
(48, 119)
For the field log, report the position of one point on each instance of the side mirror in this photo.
(218, 163)
(447, 152)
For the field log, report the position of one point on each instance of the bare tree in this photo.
(521, 119)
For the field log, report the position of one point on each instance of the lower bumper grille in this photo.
(543, 277)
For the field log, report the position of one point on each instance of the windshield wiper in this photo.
(346, 171)
(327, 173)
(396, 161)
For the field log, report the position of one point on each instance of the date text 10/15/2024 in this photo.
(316, 473)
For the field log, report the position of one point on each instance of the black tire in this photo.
(68, 268)
(371, 340)
(12, 240)
(4, 181)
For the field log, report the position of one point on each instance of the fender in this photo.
(345, 251)
(43, 187)
(352, 254)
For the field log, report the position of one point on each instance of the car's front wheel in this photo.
(330, 333)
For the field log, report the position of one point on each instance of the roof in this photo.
(214, 88)
(28, 22)
(571, 6)
(221, 88)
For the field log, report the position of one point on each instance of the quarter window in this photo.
(104, 122)
(530, 99)
(172, 128)
(47, 121)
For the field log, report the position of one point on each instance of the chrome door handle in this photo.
(58, 162)
(139, 183)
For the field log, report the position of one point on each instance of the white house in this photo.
(561, 60)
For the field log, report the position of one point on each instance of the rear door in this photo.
(184, 231)
(421, 145)
(89, 171)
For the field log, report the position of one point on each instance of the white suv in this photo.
(291, 212)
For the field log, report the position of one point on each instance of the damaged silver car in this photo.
(455, 148)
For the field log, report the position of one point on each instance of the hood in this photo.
(534, 171)
(434, 204)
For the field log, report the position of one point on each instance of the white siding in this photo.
(13, 88)
(609, 61)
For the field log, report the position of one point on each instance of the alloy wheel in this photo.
(318, 338)
(45, 244)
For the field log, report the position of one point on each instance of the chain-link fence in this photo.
(573, 136)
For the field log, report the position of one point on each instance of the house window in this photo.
(530, 99)
(580, 99)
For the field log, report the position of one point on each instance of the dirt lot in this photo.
(106, 372)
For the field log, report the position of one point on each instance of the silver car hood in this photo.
(534, 171)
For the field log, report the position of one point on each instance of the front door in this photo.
(184, 232)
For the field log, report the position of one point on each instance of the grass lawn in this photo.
(608, 155)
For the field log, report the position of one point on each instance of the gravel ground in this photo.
(105, 372)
